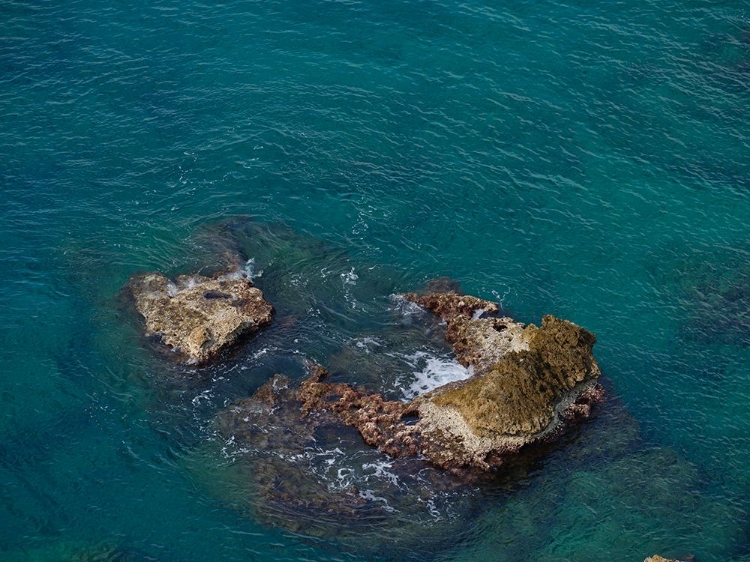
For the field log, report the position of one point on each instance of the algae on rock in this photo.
(528, 384)
(524, 391)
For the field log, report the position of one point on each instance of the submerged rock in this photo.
(304, 471)
(269, 424)
(197, 316)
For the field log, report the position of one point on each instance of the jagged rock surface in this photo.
(199, 316)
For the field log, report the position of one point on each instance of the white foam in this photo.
(406, 308)
(298, 280)
(370, 496)
(250, 271)
(349, 278)
(381, 472)
(436, 371)
(204, 396)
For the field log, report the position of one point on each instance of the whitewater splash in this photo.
(434, 372)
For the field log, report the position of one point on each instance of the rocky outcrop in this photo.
(197, 316)
(528, 396)
(535, 381)
(528, 384)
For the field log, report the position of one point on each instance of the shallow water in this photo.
(590, 161)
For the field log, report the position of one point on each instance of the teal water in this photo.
(588, 160)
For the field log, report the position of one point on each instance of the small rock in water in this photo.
(199, 316)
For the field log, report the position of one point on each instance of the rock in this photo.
(451, 304)
(197, 316)
(657, 558)
(477, 342)
(526, 390)
(382, 423)
(529, 383)
(302, 446)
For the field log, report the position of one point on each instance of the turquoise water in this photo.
(588, 160)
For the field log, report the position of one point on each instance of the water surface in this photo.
(588, 160)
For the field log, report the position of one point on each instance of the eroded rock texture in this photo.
(477, 342)
(197, 316)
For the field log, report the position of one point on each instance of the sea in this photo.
(589, 160)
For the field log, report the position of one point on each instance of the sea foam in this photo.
(435, 372)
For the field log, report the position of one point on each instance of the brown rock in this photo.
(382, 423)
(198, 316)
(528, 384)
(477, 342)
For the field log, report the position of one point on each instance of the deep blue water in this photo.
(589, 160)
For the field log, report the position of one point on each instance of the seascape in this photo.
(590, 161)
